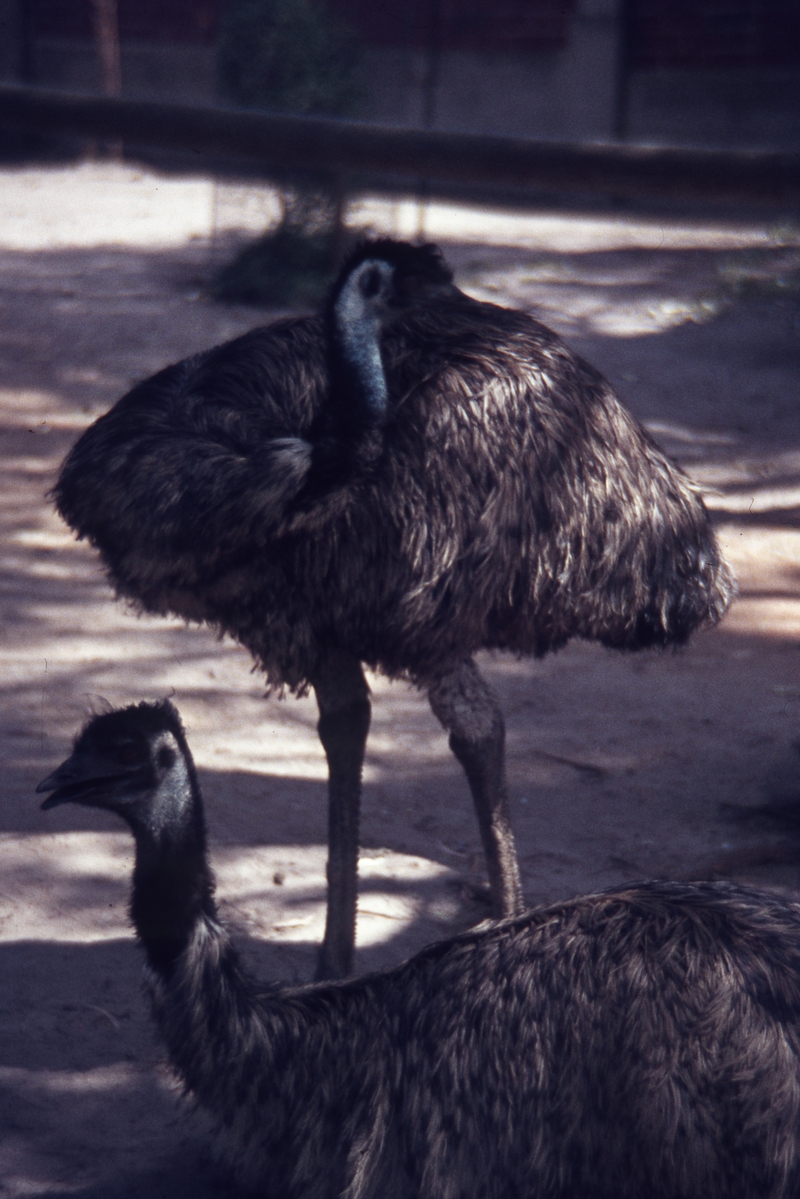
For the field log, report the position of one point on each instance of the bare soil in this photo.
(620, 767)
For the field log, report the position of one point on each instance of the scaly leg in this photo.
(344, 712)
(469, 710)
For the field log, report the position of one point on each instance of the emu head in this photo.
(378, 282)
(133, 761)
(393, 274)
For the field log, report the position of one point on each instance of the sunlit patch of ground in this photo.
(73, 887)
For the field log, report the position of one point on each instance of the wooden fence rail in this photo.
(279, 142)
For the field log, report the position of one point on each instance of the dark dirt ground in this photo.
(619, 767)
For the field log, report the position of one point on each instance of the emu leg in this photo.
(344, 711)
(470, 712)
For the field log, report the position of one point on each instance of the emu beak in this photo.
(73, 783)
(53, 801)
(58, 782)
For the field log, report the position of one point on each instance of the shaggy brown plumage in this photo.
(514, 504)
(644, 1042)
(400, 482)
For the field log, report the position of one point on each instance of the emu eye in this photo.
(166, 757)
(370, 283)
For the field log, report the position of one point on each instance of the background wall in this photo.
(723, 72)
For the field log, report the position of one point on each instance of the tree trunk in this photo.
(105, 19)
(106, 36)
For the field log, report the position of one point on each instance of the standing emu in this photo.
(641, 1042)
(406, 479)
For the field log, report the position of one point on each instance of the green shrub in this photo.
(291, 265)
(293, 56)
(290, 55)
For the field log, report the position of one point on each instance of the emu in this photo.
(640, 1042)
(406, 479)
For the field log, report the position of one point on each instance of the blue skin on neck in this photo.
(363, 355)
(357, 315)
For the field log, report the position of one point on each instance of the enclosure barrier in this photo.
(283, 142)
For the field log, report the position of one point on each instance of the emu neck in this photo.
(360, 367)
(349, 431)
(362, 359)
(172, 884)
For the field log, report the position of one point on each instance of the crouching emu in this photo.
(644, 1042)
(409, 478)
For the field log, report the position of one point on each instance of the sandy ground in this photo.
(619, 767)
